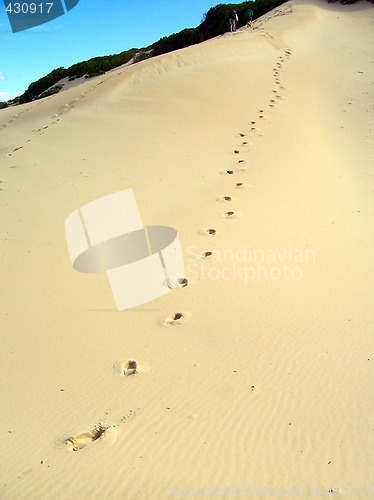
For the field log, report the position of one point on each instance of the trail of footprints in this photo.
(132, 367)
(253, 131)
(55, 118)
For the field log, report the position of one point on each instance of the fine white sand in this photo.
(267, 386)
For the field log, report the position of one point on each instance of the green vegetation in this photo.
(215, 23)
(93, 67)
(99, 65)
(3, 105)
(37, 88)
(53, 90)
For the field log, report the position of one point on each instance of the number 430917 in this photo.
(32, 8)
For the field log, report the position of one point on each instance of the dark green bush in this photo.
(215, 23)
(53, 90)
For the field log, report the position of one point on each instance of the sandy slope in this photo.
(269, 384)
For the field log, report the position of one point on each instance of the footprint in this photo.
(231, 215)
(232, 172)
(209, 232)
(205, 255)
(180, 282)
(236, 151)
(224, 198)
(177, 318)
(242, 135)
(253, 388)
(241, 185)
(79, 441)
(129, 367)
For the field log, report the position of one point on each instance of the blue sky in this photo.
(92, 28)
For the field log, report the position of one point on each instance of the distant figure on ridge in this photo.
(233, 19)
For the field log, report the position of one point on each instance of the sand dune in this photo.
(258, 148)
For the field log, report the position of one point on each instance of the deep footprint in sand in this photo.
(177, 318)
(181, 282)
(205, 255)
(224, 199)
(80, 441)
(208, 232)
(129, 367)
(231, 215)
(232, 172)
(241, 185)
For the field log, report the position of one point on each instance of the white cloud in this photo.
(7, 96)
(2, 76)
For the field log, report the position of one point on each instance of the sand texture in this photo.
(257, 147)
